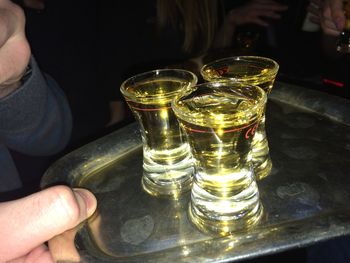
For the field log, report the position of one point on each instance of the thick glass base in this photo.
(168, 173)
(263, 169)
(224, 215)
(170, 187)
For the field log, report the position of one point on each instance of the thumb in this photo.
(28, 222)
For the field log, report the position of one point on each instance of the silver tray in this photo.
(306, 197)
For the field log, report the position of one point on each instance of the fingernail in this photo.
(86, 200)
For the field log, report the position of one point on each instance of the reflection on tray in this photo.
(305, 198)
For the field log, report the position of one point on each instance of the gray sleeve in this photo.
(35, 119)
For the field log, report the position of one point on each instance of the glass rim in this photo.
(259, 105)
(273, 72)
(151, 75)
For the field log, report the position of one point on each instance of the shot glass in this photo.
(219, 119)
(250, 70)
(167, 161)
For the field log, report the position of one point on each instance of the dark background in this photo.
(91, 46)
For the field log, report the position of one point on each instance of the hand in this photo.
(253, 12)
(328, 14)
(14, 47)
(35, 4)
(256, 12)
(25, 224)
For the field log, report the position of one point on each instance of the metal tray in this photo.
(306, 198)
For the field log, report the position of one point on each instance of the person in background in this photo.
(34, 119)
(147, 35)
(329, 14)
(63, 38)
(257, 13)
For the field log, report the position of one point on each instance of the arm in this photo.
(253, 12)
(34, 116)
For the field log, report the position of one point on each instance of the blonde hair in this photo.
(198, 18)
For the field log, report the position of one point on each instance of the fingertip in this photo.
(86, 200)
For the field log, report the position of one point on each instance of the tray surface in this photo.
(305, 198)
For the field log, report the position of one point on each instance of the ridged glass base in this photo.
(264, 169)
(167, 188)
(168, 173)
(224, 215)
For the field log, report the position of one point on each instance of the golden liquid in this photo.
(220, 125)
(257, 75)
(220, 129)
(248, 74)
(166, 153)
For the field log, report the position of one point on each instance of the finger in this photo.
(315, 2)
(315, 19)
(267, 2)
(327, 21)
(26, 223)
(329, 28)
(271, 7)
(40, 254)
(260, 22)
(63, 248)
(265, 14)
(337, 13)
(313, 10)
(329, 25)
(270, 14)
(278, 8)
(331, 32)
